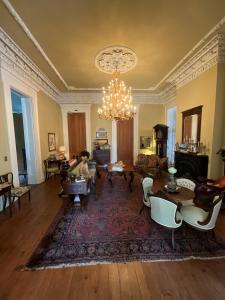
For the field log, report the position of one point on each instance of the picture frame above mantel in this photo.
(191, 124)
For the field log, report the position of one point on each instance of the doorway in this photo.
(19, 136)
(24, 138)
(76, 133)
(125, 141)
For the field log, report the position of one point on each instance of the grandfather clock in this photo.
(161, 135)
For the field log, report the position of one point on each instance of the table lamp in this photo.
(62, 150)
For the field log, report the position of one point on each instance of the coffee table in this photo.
(127, 170)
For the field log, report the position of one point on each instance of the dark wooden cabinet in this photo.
(102, 156)
(191, 165)
(161, 135)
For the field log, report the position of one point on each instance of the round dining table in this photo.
(181, 194)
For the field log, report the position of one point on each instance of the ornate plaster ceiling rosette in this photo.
(116, 58)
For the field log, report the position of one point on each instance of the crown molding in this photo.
(167, 78)
(28, 33)
(190, 53)
(16, 62)
(96, 98)
(210, 54)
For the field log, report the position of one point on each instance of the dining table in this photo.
(181, 194)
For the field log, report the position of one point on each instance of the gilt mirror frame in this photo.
(193, 111)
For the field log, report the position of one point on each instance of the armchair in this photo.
(150, 165)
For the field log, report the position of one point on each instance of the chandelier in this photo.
(117, 98)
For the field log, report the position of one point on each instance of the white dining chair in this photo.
(165, 212)
(147, 184)
(198, 218)
(188, 184)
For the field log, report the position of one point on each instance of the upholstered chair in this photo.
(189, 184)
(51, 168)
(147, 184)
(16, 192)
(165, 212)
(198, 218)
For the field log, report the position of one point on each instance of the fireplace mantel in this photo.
(191, 165)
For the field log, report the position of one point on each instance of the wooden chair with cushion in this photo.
(51, 168)
(16, 192)
(165, 212)
(189, 184)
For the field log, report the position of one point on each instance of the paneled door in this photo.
(76, 133)
(125, 141)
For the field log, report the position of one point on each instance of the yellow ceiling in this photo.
(72, 32)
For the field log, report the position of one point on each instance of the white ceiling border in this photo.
(16, 62)
(22, 24)
(210, 54)
(28, 33)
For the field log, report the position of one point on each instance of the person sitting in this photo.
(83, 165)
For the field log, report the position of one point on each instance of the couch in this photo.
(150, 165)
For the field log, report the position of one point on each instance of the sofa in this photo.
(150, 165)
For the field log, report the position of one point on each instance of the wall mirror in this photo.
(191, 125)
(145, 142)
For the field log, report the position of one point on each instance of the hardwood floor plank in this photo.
(20, 235)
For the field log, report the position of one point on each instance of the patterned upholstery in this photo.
(150, 164)
(16, 192)
(189, 184)
(19, 191)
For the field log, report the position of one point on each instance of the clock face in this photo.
(159, 134)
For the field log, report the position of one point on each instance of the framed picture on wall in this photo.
(101, 134)
(51, 142)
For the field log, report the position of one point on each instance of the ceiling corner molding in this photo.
(211, 53)
(28, 33)
(15, 61)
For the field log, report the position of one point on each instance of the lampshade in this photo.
(62, 148)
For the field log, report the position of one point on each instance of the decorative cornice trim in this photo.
(219, 59)
(96, 98)
(28, 33)
(210, 54)
(15, 61)
(190, 53)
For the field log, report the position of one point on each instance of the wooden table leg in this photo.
(110, 178)
(131, 180)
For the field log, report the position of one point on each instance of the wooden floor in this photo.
(20, 235)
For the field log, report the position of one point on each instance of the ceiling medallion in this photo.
(117, 98)
(113, 58)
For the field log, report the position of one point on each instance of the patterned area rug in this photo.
(110, 229)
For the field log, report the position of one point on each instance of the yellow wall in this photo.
(201, 91)
(98, 123)
(4, 146)
(149, 116)
(219, 123)
(50, 120)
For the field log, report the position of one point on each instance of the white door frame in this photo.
(12, 83)
(135, 138)
(76, 108)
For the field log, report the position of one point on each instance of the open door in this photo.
(76, 133)
(125, 141)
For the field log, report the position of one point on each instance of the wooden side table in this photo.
(127, 170)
